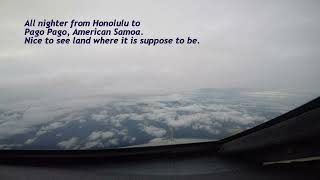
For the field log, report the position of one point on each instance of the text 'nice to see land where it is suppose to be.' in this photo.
(93, 32)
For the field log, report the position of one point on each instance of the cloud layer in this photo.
(131, 120)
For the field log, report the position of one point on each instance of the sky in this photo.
(243, 44)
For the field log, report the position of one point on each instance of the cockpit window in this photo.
(251, 62)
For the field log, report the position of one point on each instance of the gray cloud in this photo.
(69, 144)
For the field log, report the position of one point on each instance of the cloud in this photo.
(114, 142)
(30, 141)
(100, 116)
(100, 135)
(153, 131)
(209, 128)
(69, 144)
(10, 146)
(107, 139)
(152, 114)
(184, 113)
(92, 144)
(177, 112)
(270, 94)
(49, 114)
(50, 127)
(53, 126)
(129, 139)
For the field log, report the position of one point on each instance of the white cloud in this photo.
(153, 131)
(53, 125)
(30, 114)
(100, 135)
(10, 146)
(100, 116)
(69, 144)
(207, 127)
(132, 140)
(91, 144)
(114, 142)
(30, 141)
(270, 94)
(50, 127)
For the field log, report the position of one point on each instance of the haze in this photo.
(243, 44)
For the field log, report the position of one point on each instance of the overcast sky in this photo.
(243, 44)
